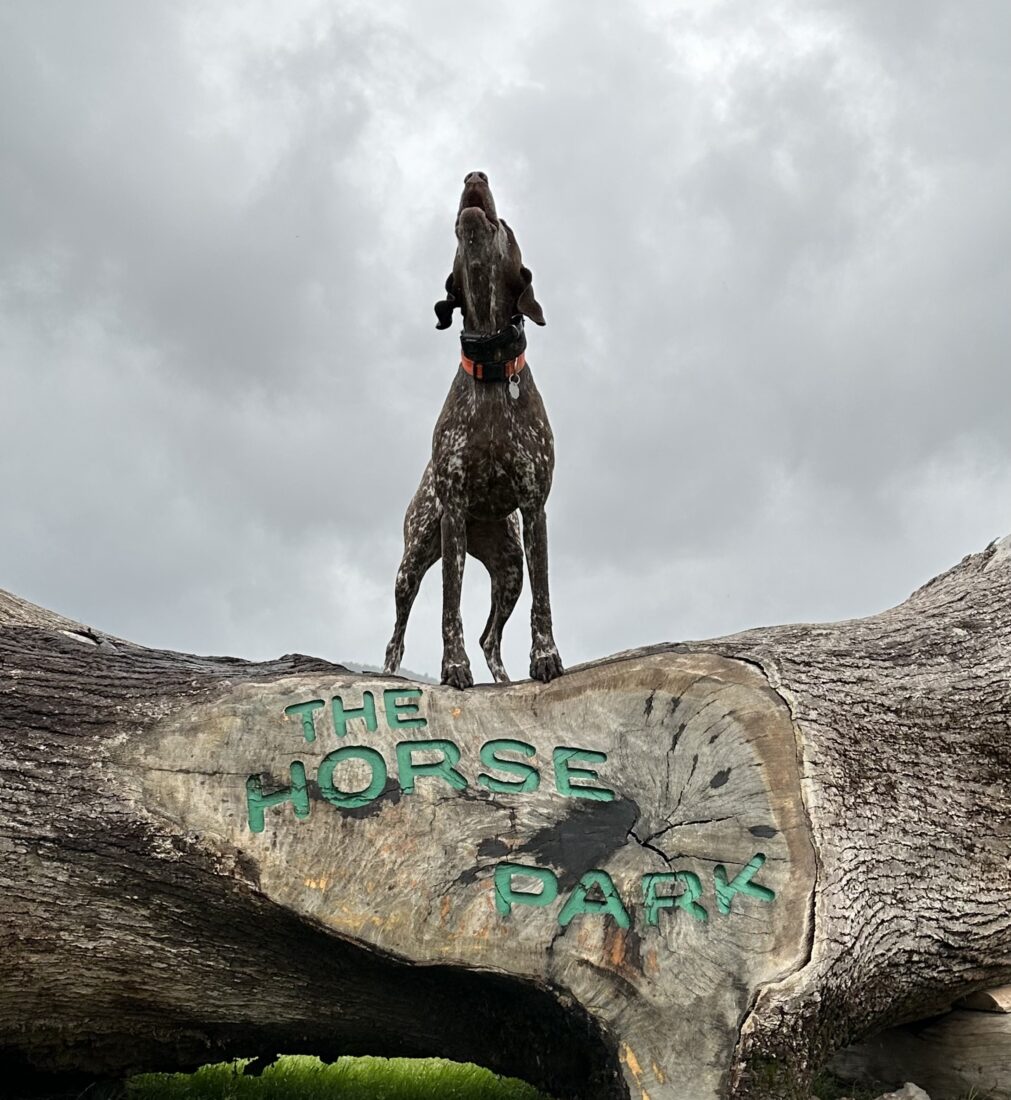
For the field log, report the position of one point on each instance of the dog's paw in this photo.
(458, 675)
(394, 655)
(545, 666)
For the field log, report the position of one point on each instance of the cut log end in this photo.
(628, 835)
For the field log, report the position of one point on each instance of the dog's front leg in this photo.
(455, 665)
(545, 664)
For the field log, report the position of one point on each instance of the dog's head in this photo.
(488, 284)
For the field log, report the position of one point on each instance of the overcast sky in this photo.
(771, 242)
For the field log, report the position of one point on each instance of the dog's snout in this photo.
(477, 193)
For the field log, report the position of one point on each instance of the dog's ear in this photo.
(444, 309)
(526, 303)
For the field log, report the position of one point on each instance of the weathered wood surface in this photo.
(988, 1000)
(962, 1053)
(805, 829)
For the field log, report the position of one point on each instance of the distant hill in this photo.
(422, 677)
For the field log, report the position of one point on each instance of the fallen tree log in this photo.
(686, 871)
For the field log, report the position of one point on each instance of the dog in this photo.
(493, 455)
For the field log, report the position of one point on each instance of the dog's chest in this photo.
(490, 453)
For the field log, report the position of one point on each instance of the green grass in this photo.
(300, 1077)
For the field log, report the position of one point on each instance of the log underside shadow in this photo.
(320, 995)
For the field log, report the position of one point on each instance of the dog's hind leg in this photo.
(497, 544)
(422, 547)
(545, 664)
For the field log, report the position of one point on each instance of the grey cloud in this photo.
(772, 249)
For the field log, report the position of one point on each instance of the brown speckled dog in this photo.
(492, 454)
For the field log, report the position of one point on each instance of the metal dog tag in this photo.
(514, 387)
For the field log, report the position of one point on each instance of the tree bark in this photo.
(686, 871)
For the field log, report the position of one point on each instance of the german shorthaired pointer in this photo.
(492, 454)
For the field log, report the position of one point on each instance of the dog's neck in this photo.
(489, 305)
(482, 263)
(486, 323)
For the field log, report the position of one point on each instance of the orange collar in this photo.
(494, 372)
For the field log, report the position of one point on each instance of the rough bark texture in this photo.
(904, 725)
(826, 808)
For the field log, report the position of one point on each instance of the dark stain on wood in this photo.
(585, 838)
